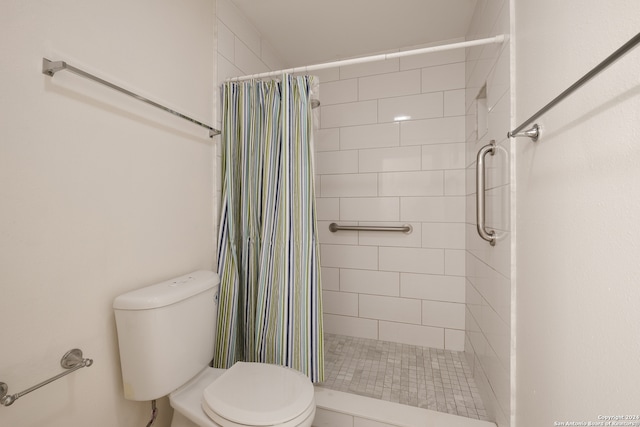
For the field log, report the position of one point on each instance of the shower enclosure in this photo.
(396, 145)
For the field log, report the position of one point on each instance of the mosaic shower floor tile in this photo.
(424, 377)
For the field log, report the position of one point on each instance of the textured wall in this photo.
(100, 193)
(578, 209)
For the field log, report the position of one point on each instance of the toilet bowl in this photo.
(166, 340)
(247, 394)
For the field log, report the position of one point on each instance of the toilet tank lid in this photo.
(168, 292)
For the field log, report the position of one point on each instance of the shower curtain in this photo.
(270, 302)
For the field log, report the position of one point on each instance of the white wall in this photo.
(100, 193)
(375, 170)
(488, 269)
(241, 48)
(578, 209)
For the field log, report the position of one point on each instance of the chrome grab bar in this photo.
(407, 228)
(72, 361)
(488, 235)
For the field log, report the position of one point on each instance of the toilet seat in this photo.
(305, 419)
(259, 394)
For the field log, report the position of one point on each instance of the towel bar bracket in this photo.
(71, 361)
(533, 132)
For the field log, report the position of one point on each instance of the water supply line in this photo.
(154, 413)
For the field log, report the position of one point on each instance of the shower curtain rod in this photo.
(381, 57)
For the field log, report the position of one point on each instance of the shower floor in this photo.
(424, 377)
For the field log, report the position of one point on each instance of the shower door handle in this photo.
(488, 235)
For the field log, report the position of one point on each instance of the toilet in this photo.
(166, 336)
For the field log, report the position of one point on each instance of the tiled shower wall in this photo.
(390, 151)
(373, 169)
(488, 290)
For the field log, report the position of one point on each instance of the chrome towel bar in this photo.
(407, 228)
(534, 132)
(51, 67)
(72, 361)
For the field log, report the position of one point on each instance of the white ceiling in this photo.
(305, 32)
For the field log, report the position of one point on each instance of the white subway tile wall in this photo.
(429, 183)
(351, 114)
(391, 151)
(389, 85)
(327, 139)
(433, 131)
(370, 209)
(370, 282)
(389, 159)
(425, 106)
(443, 77)
(371, 136)
(488, 269)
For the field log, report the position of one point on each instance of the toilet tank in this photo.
(166, 333)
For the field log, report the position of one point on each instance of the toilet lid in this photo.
(259, 394)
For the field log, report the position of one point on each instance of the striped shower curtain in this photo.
(270, 307)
